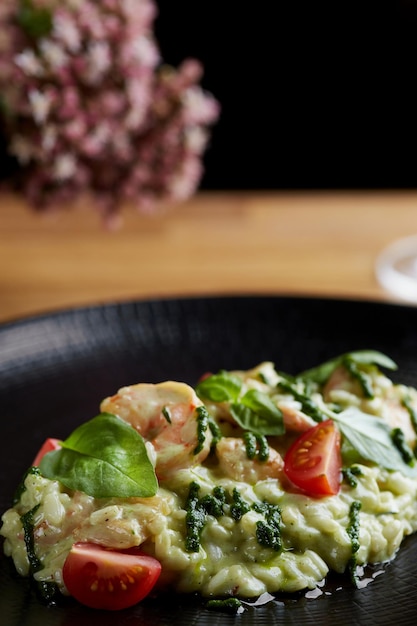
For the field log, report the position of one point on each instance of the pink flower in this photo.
(65, 30)
(89, 106)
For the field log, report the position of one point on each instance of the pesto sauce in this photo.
(353, 532)
(22, 487)
(363, 379)
(256, 446)
(166, 413)
(350, 475)
(308, 406)
(202, 425)
(215, 431)
(47, 591)
(28, 523)
(263, 448)
(239, 506)
(268, 530)
(250, 444)
(195, 519)
(228, 605)
(411, 411)
(398, 439)
(214, 504)
(197, 511)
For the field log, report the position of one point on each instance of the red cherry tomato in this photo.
(313, 463)
(47, 446)
(107, 579)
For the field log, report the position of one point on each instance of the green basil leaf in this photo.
(221, 387)
(321, 373)
(104, 457)
(371, 438)
(257, 413)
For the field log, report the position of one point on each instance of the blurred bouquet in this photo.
(86, 105)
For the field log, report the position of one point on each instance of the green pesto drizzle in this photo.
(398, 439)
(353, 528)
(309, 407)
(263, 448)
(350, 475)
(202, 425)
(197, 511)
(28, 523)
(227, 605)
(363, 379)
(166, 413)
(256, 446)
(215, 431)
(47, 591)
(268, 532)
(195, 519)
(214, 504)
(239, 506)
(353, 533)
(250, 442)
(411, 411)
(413, 417)
(22, 487)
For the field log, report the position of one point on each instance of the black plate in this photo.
(55, 369)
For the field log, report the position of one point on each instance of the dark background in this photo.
(314, 95)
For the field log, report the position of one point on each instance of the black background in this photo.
(313, 94)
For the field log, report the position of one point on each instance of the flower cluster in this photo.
(86, 104)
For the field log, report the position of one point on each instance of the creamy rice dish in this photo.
(252, 482)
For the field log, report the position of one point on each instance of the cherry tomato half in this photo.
(47, 446)
(107, 579)
(313, 463)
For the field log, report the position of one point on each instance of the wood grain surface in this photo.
(308, 243)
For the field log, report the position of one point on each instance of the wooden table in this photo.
(312, 243)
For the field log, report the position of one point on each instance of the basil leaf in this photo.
(104, 457)
(257, 413)
(321, 373)
(371, 438)
(221, 387)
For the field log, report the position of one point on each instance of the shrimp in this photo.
(397, 416)
(341, 380)
(166, 415)
(235, 464)
(294, 419)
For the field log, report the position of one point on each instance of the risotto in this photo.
(252, 482)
